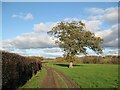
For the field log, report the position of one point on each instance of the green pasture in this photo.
(91, 75)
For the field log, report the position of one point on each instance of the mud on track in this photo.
(51, 79)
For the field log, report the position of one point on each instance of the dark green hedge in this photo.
(16, 70)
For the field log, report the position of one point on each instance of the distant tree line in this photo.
(94, 59)
(101, 60)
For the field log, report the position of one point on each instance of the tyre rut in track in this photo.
(50, 80)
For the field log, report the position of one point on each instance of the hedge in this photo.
(16, 70)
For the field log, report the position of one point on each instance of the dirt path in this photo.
(51, 79)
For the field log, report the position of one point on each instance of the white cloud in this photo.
(71, 19)
(96, 10)
(111, 51)
(30, 40)
(110, 36)
(37, 39)
(0, 45)
(52, 50)
(51, 55)
(42, 52)
(96, 17)
(103, 17)
(14, 16)
(109, 15)
(93, 25)
(103, 33)
(44, 27)
(27, 16)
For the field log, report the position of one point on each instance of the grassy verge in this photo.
(92, 75)
(36, 80)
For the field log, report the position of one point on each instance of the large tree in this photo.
(74, 39)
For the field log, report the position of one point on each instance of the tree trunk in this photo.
(71, 65)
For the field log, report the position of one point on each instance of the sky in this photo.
(25, 25)
(60, 0)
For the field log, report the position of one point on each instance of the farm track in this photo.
(51, 80)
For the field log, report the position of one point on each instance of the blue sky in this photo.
(43, 12)
(60, 1)
(22, 22)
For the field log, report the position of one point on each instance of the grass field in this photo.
(92, 75)
(85, 75)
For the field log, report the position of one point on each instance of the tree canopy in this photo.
(74, 39)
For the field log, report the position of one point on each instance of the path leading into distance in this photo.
(56, 79)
